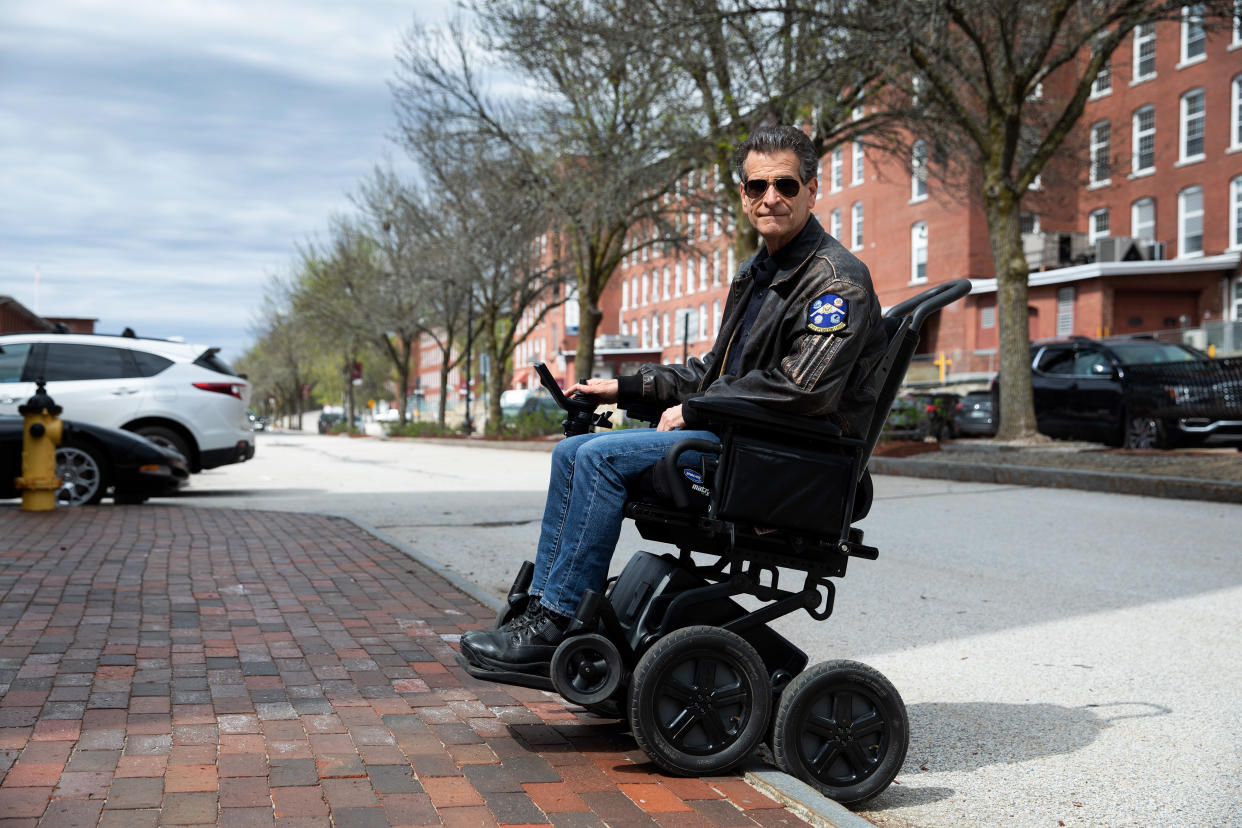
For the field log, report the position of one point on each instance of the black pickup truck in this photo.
(1137, 393)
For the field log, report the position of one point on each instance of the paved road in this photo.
(1066, 657)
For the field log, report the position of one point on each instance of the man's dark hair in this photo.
(767, 140)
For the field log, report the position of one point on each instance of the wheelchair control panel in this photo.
(580, 414)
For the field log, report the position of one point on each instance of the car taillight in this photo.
(230, 388)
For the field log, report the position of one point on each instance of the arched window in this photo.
(918, 252)
(918, 171)
(1190, 222)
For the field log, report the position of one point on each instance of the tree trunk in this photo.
(403, 378)
(589, 316)
(1017, 408)
(444, 389)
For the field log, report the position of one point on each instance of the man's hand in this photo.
(595, 389)
(671, 419)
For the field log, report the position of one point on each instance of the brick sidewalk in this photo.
(181, 666)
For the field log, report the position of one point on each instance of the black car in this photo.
(91, 460)
(1137, 393)
(975, 415)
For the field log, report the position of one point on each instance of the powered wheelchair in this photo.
(701, 678)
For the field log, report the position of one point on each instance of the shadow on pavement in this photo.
(972, 735)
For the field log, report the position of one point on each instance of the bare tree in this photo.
(595, 139)
(403, 274)
(1001, 84)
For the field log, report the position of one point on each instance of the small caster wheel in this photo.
(699, 701)
(587, 669)
(841, 727)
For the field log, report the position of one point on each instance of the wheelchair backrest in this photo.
(901, 325)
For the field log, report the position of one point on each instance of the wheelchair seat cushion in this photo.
(652, 485)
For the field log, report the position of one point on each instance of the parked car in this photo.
(183, 397)
(257, 421)
(1137, 393)
(974, 414)
(92, 460)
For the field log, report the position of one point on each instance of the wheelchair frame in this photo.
(702, 679)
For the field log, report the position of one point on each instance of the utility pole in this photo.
(468, 425)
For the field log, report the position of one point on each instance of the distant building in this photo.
(1143, 235)
(17, 318)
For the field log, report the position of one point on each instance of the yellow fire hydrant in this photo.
(42, 434)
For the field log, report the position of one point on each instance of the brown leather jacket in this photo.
(812, 349)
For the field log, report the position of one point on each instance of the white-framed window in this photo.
(835, 166)
(646, 288)
(1100, 158)
(1237, 299)
(1237, 23)
(1192, 125)
(677, 279)
(668, 278)
(702, 322)
(1103, 83)
(625, 295)
(858, 164)
(702, 273)
(683, 325)
(1144, 52)
(716, 318)
(1235, 114)
(918, 171)
(1235, 213)
(704, 219)
(1143, 219)
(690, 276)
(732, 268)
(987, 316)
(1097, 225)
(1065, 311)
(1029, 222)
(646, 335)
(1194, 38)
(856, 228)
(1144, 140)
(834, 224)
(667, 341)
(716, 266)
(918, 252)
(1190, 222)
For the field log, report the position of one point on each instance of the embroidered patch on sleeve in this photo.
(827, 314)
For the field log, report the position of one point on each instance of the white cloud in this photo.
(161, 159)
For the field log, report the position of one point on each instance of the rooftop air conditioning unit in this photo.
(1153, 250)
(1117, 249)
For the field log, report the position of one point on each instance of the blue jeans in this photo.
(591, 474)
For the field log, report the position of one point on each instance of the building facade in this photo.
(1139, 232)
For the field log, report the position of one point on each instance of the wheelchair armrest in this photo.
(727, 411)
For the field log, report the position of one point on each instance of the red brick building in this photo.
(1142, 233)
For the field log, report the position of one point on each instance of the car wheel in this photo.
(1144, 433)
(165, 438)
(83, 475)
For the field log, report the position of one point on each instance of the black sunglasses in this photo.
(758, 187)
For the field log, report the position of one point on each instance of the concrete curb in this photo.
(795, 794)
(1184, 488)
(803, 800)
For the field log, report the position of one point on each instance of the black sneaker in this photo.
(527, 648)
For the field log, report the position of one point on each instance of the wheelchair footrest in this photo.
(531, 680)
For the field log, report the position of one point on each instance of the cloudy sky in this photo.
(161, 159)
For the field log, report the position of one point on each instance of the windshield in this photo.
(1142, 353)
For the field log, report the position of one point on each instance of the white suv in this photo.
(177, 395)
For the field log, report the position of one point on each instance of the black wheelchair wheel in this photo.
(699, 701)
(841, 727)
(587, 669)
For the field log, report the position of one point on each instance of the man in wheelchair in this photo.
(801, 334)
